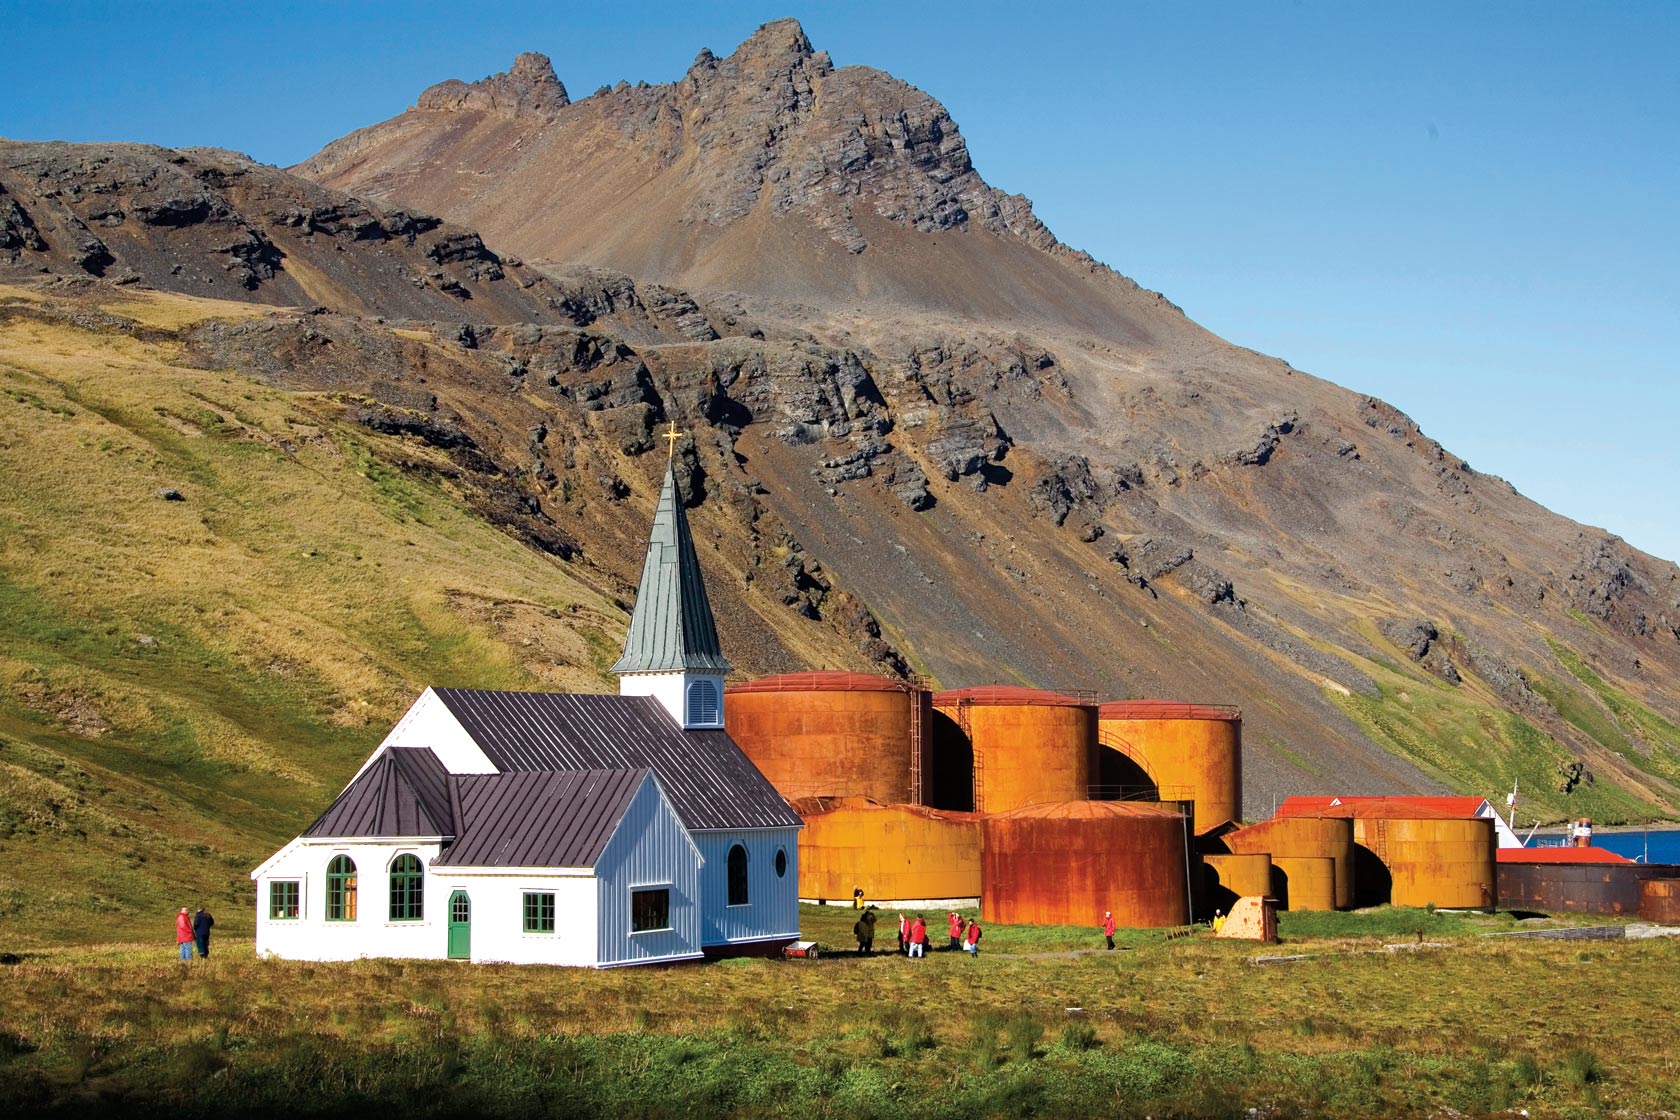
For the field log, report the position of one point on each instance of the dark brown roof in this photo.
(404, 793)
(710, 782)
(537, 818)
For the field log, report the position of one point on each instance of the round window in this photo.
(781, 862)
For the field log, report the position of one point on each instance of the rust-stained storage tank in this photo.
(1023, 746)
(1304, 882)
(1189, 752)
(1659, 900)
(1442, 861)
(833, 734)
(1229, 876)
(1303, 838)
(1065, 863)
(1568, 880)
(894, 852)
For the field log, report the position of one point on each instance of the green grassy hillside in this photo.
(185, 683)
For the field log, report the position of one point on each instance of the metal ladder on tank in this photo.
(918, 743)
(967, 725)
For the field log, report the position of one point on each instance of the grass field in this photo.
(1368, 1024)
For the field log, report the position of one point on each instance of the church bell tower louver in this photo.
(671, 652)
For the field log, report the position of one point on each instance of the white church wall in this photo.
(650, 850)
(311, 936)
(667, 688)
(429, 723)
(772, 909)
(498, 913)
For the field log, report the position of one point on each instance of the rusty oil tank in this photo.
(1304, 882)
(1189, 752)
(832, 734)
(1064, 863)
(1304, 838)
(1021, 746)
(1444, 861)
(894, 852)
(1229, 876)
(1659, 901)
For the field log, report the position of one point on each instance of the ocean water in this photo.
(1663, 843)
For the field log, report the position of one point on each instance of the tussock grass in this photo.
(1192, 1029)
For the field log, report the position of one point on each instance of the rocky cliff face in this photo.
(923, 435)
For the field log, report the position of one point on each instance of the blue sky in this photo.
(1471, 210)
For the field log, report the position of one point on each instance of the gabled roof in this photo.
(1396, 808)
(404, 792)
(672, 626)
(710, 782)
(537, 818)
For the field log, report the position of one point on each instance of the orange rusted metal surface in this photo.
(1251, 919)
(1430, 860)
(1066, 863)
(1023, 746)
(1659, 901)
(892, 851)
(833, 734)
(1189, 752)
(1226, 878)
(1304, 882)
(1304, 837)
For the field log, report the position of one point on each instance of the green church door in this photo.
(460, 926)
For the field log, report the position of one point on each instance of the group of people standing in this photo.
(913, 934)
(192, 931)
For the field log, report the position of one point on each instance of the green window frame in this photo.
(408, 885)
(283, 900)
(341, 889)
(539, 911)
(650, 909)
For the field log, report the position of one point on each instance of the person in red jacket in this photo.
(1108, 927)
(184, 934)
(918, 937)
(971, 941)
(956, 932)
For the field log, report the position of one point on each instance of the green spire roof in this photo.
(672, 627)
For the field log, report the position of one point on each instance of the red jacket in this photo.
(1108, 926)
(918, 932)
(183, 928)
(956, 926)
(974, 932)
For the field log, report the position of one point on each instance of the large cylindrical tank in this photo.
(1659, 901)
(894, 852)
(1065, 863)
(1443, 861)
(1191, 752)
(1027, 746)
(1304, 837)
(1304, 882)
(1240, 874)
(833, 734)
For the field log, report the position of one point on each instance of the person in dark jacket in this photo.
(201, 923)
(864, 930)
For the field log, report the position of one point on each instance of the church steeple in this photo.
(672, 650)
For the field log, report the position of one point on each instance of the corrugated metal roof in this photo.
(825, 680)
(537, 818)
(672, 625)
(1558, 855)
(404, 793)
(1393, 808)
(1167, 709)
(709, 781)
(1008, 695)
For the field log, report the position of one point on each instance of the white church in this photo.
(549, 828)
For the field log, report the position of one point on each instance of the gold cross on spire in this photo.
(671, 436)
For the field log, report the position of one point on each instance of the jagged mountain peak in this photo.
(530, 88)
(767, 170)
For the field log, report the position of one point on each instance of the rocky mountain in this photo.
(922, 437)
